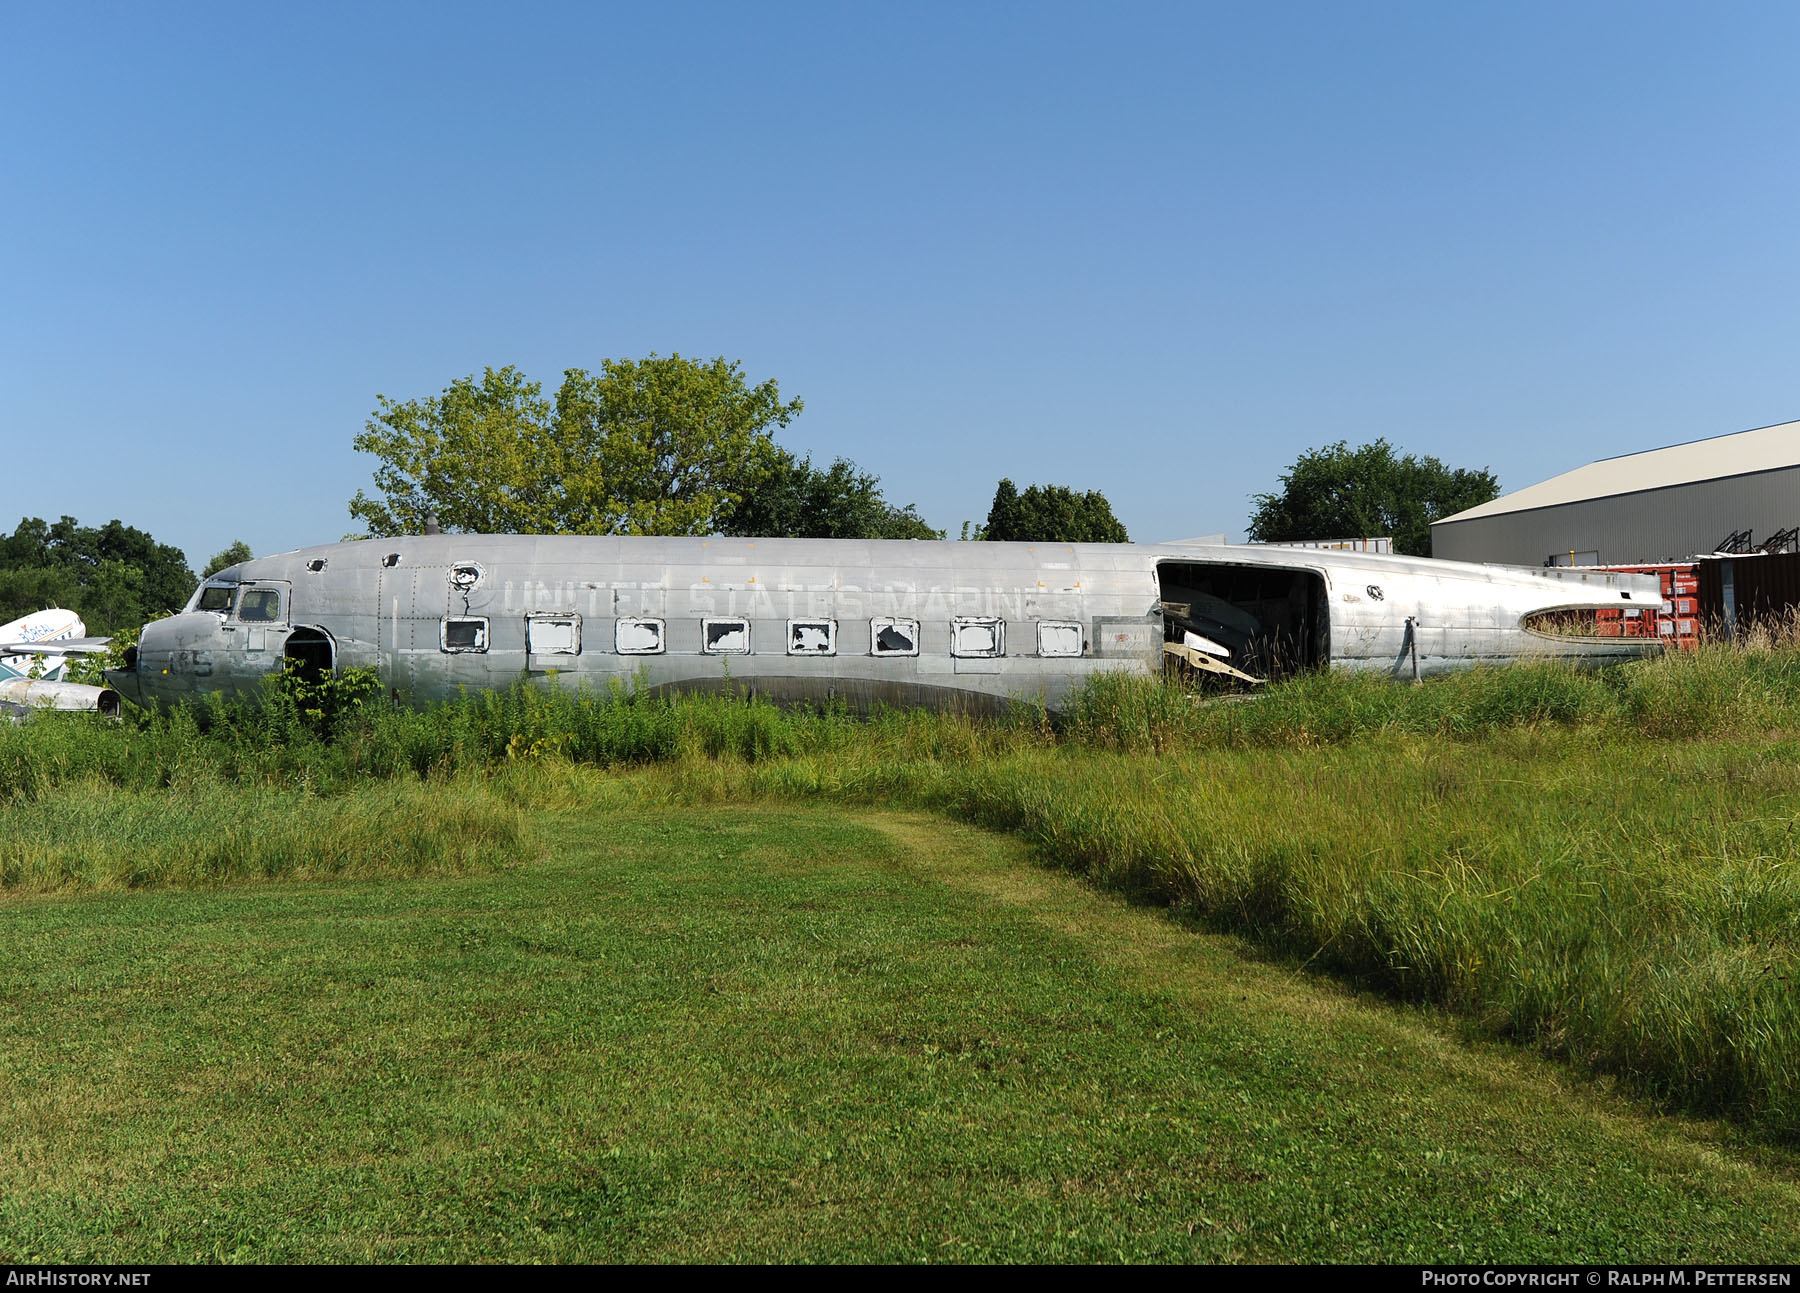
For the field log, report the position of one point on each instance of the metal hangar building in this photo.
(1660, 505)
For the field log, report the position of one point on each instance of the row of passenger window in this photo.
(971, 636)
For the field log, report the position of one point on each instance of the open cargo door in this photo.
(1259, 621)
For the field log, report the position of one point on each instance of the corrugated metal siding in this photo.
(1652, 526)
(1761, 586)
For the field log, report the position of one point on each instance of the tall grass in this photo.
(270, 743)
(93, 836)
(1630, 906)
(1603, 865)
(1716, 691)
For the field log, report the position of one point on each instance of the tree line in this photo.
(667, 446)
(657, 446)
(115, 576)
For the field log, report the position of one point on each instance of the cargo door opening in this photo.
(1260, 621)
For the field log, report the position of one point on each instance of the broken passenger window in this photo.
(977, 636)
(725, 637)
(812, 637)
(260, 606)
(216, 597)
(1059, 638)
(470, 634)
(890, 636)
(553, 634)
(633, 635)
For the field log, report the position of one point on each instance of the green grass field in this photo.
(533, 976)
(792, 1033)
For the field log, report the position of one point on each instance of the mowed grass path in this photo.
(784, 1034)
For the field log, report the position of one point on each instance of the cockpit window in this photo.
(260, 606)
(216, 597)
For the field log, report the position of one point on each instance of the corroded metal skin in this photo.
(436, 614)
(27, 694)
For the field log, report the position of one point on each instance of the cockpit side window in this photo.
(216, 597)
(260, 606)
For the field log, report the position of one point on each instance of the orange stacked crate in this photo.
(1687, 604)
(1677, 620)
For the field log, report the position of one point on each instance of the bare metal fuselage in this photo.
(900, 622)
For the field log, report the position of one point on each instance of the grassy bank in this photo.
(1600, 865)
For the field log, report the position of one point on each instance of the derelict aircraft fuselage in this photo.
(903, 622)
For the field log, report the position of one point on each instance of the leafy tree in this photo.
(1051, 514)
(168, 581)
(238, 551)
(1342, 493)
(115, 575)
(796, 500)
(477, 455)
(322, 701)
(653, 446)
(115, 595)
(36, 588)
(29, 545)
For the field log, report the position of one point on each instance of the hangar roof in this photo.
(1764, 449)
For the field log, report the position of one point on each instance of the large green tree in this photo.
(25, 589)
(1342, 493)
(231, 556)
(115, 575)
(663, 445)
(797, 500)
(1051, 514)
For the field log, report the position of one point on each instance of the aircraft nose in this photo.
(133, 681)
(125, 682)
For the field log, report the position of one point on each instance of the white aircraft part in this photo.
(43, 626)
(638, 637)
(553, 634)
(976, 637)
(18, 640)
(1059, 638)
(36, 693)
(891, 636)
(1204, 644)
(867, 622)
(725, 637)
(1206, 664)
(47, 667)
(812, 637)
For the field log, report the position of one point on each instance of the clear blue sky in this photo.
(1154, 250)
